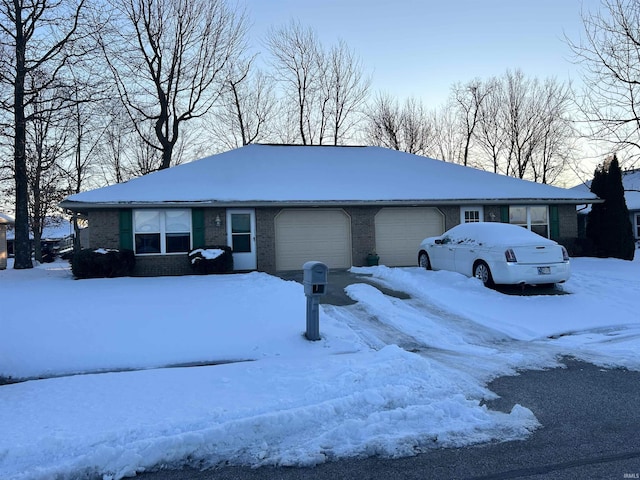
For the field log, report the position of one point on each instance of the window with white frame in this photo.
(534, 218)
(162, 231)
(637, 225)
(471, 214)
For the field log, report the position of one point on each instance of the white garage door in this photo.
(399, 232)
(305, 234)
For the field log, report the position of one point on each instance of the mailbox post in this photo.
(315, 281)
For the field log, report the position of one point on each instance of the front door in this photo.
(241, 236)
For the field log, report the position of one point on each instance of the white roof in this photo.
(55, 228)
(631, 184)
(285, 174)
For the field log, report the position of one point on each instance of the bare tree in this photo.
(46, 144)
(469, 99)
(490, 134)
(117, 138)
(384, 124)
(324, 89)
(349, 88)
(448, 143)
(34, 34)
(609, 52)
(295, 52)
(247, 109)
(555, 133)
(168, 59)
(407, 128)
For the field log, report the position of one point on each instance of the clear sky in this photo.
(423, 47)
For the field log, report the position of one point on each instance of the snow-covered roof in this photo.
(631, 184)
(290, 175)
(55, 228)
(6, 219)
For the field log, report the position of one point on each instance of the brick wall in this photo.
(157, 265)
(215, 235)
(104, 229)
(363, 233)
(451, 216)
(568, 217)
(266, 238)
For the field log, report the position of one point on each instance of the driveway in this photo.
(338, 280)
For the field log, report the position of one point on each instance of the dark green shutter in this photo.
(126, 229)
(554, 226)
(197, 227)
(504, 213)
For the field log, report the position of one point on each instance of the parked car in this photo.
(498, 253)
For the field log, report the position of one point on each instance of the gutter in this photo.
(84, 206)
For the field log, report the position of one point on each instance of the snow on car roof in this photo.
(495, 233)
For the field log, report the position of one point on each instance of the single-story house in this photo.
(57, 236)
(279, 206)
(631, 185)
(5, 221)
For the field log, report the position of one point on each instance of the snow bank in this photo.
(389, 377)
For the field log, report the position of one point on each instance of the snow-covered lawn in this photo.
(390, 377)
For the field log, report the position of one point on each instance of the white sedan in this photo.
(496, 253)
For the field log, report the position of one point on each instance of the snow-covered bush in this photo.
(216, 259)
(102, 263)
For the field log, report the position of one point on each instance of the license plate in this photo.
(544, 270)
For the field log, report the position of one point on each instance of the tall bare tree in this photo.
(468, 100)
(324, 89)
(34, 34)
(295, 52)
(490, 134)
(349, 89)
(248, 107)
(448, 139)
(408, 128)
(556, 134)
(609, 52)
(169, 59)
(46, 145)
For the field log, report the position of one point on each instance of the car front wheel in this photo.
(482, 272)
(423, 260)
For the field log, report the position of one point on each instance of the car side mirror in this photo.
(438, 241)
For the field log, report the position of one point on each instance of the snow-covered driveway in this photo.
(389, 377)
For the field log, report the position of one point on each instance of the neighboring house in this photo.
(57, 235)
(279, 206)
(5, 221)
(631, 185)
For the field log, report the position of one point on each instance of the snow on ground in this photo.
(390, 377)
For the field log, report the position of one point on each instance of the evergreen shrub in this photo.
(608, 224)
(102, 263)
(214, 259)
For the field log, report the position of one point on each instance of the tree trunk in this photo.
(22, 245)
